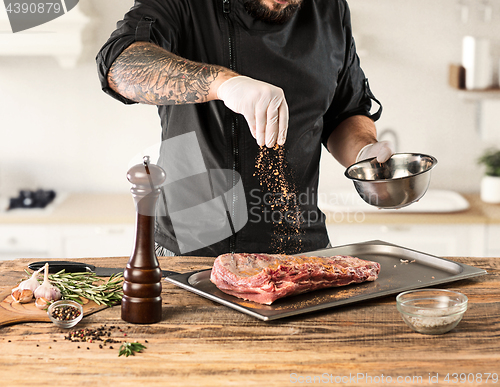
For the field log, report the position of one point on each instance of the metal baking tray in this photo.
(402, 269)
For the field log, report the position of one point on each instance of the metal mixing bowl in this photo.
(400, 181)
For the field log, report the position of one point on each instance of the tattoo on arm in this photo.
(149, 74)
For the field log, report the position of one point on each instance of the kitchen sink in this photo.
(434, 201)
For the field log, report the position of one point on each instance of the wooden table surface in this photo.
(201, 343)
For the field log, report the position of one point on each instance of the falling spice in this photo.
(276, 178)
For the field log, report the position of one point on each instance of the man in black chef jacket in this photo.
(247, 84)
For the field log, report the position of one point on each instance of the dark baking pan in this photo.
(402, 269)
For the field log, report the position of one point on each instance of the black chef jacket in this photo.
(312, 58)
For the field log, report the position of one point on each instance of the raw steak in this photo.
(264, 278)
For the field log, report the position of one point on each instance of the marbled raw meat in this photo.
(264, 278)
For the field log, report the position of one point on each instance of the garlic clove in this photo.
(22, 295)
(41, 303)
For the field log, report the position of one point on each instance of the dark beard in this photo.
(261, 12)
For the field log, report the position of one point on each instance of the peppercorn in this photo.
(91, 335)
(65, 313)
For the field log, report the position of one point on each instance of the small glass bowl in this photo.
(432, 311)
(55, 306)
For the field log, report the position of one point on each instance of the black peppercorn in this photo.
(65, 313)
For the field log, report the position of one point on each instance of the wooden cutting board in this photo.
(12, 312)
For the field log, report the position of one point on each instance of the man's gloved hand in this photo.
(382, 150)
(263, 106)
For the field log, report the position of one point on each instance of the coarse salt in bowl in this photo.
(432, 311)
(65, 313)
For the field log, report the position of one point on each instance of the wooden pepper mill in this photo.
(141, 301)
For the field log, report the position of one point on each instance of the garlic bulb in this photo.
(46, 289)
(32, 283)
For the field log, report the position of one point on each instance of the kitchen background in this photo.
(60, 131)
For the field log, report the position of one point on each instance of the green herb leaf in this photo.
(127, 349)
(90, 286)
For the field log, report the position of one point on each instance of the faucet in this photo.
(393, 137)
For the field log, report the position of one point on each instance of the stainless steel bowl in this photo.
(400, 181)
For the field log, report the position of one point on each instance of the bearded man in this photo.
(262, 85)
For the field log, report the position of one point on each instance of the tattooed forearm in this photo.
(149, 74)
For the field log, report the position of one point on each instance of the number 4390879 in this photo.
(477, 378)
(33, 8)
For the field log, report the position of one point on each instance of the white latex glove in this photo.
(382, 150)
(263, 106)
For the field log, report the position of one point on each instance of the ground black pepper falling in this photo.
(275, 177)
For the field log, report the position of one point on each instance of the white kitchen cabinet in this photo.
(77, 225)
(493, 241)
(103, 240)
(65, 241)
(457, 240)
(29, 241)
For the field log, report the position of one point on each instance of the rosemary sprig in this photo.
(73, 286)
(128, 349)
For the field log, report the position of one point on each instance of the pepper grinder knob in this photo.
(141, 301)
